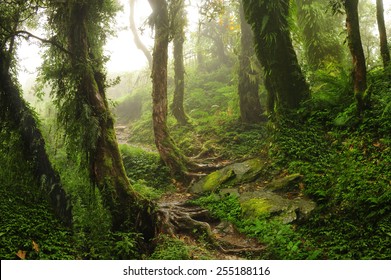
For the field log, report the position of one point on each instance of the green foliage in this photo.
(332, 93)
(92, 235)
(26, 222)
(320, 33)
(226, 208)
(171, 249)
(73, 76)
(282, 241)
(346, 170)
(126, 245)
(145, 169)
(209, 92)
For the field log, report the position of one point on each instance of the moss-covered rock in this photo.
(234, 174)
(266, 203)
(286, 184)
(256, 207)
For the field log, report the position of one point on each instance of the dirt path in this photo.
(197, 227)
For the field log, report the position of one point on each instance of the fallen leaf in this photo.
(35, 246)
(21, 254)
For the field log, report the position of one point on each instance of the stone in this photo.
(286, 184)
(265, 203)
(231, 175)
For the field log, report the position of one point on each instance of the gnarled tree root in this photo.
(182, 217)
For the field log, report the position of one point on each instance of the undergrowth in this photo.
(346, 166)
(282, 241)
(28, 228)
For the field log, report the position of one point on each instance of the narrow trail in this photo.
(195, 226)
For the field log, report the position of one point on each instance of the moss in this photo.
(217, 178)
(256, 207)
(254, 168)
(285, 184)
(107, 161)
(232, 175)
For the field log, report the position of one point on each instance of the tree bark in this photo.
(384, 51)
(19, 114)
(357, 52)
(250, 106)
(168, 151)
(274, 49)
(178, 16)
(136, 38)
(128, 210)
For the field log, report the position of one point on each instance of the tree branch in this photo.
(27, 35)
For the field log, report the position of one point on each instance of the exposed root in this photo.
(182, 218)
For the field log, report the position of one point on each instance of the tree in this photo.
(215, 29)
(178, 17)
(78, 83)
(168, 151)
(136, 38)
(319, 33)
(248, 86)
(357, 52)
(284, 80)
(384, 50)
(18, 115)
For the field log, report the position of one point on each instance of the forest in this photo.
(256, 130)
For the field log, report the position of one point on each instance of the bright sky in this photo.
(124, 56)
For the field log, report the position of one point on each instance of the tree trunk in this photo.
(20, 115)
(168, 151)
(178, 15)
(357, 52)
(384, 51)
(274, 49)
(250, 106)
(128, 210)
(136, 38)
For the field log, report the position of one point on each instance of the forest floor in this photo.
(197, 228)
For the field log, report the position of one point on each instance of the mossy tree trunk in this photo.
(128, 210)
(384, 50)
(274, 49)
(168, 150)
(16, 112)
(248, 86)
(357, 52)
(179, 20)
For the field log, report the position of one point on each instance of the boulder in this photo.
(280, 199)
(265, 203)
(232, 175)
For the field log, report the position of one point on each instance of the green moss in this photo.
(215, 179)
(108, 162)
(256, 207)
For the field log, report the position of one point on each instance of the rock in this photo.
(285, 184)
(280, 199)
(265, 203)
(234, 174)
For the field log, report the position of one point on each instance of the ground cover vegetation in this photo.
(330, 131)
